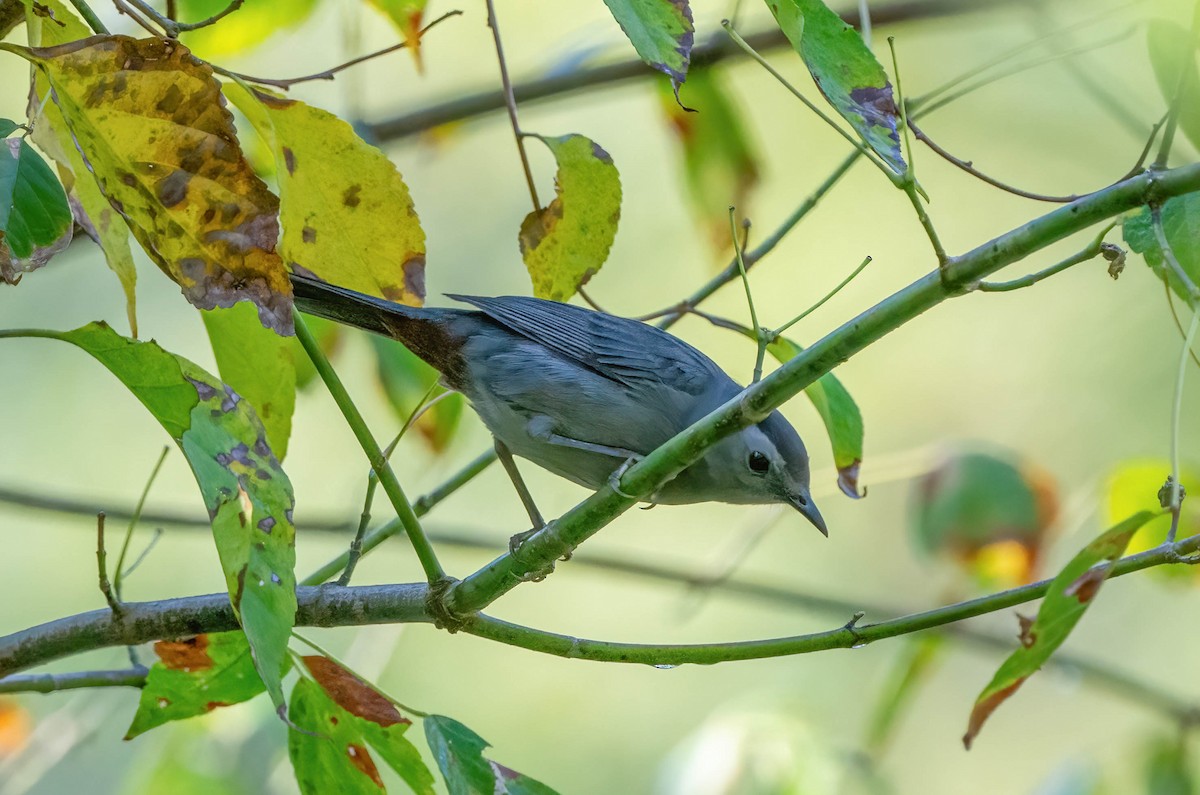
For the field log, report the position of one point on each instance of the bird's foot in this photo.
(614, 480)
(516, 542)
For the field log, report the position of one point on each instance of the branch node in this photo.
(439, 606)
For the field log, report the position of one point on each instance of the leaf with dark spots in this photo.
(459, 754)
(187, 402)
(353, 694)
(35, 218)
(661, 32)
(260, 366)
(333, 197)
(719, 163)
(185, 161)
(845, 72)
(1069, 595)
(567, 242)
(193, 677)
(334, 750)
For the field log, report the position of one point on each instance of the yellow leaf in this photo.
(346, 213)
(149, 120)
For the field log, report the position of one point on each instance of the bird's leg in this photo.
(535, 516)
(591, 447)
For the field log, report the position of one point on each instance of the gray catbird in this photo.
(582, 393)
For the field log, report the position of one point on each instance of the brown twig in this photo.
(968, 166)
(510, 102)
(106, 588)
(328, 74)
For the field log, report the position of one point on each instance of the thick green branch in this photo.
(957, 275)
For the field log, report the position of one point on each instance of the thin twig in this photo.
(119, 572)
(172, 27)
(1168, 255)
(158, 533)
(89, 16)
(123, 7)
(510, 102)
(968, 166)
(1092, 250)
(819, 304)
(1175, 317)
(106, 588)
(1177, 422)
(329, 74)
(76, 680)
(760, 337)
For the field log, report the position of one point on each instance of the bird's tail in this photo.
(428, 333)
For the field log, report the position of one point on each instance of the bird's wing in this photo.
(627, 351)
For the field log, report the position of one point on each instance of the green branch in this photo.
(958, 274)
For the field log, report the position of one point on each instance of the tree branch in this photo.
(563, 535)
(53, 683)
(717, 49)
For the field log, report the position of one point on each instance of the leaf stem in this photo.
(760, 336)
(819, 304)
(119, 572)
(1176, 421)
(391, 486)
(1091, 251)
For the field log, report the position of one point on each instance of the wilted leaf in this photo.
(248, 496)
(35, 219)
(661, 31)
(845, 71)
(987, 512)
(149, 120)
(335, 720)
(406, 15)
(718, 162)
(259, 365)
(406, 380)
(1069, 595)
(459, 754)
(244, 29)
(91, 209)
(346, 213)
(1181, 227)
(1133, 486)
(1173, 55)
(195, 676)
(565, 243)
(839, 412)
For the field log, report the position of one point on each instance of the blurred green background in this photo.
(1075, 375)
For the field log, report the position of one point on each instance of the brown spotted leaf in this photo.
(662, 33)
(248, 496)
(153, 130)
(1069, 595)
(565, 243)
(195, 676)
(346, 213)
(332, 747)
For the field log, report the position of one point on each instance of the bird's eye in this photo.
(759, 463)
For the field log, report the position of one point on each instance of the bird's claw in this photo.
(614, 480)
(514, 548)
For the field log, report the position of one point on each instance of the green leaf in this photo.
(567, 242)
(6, 127)
(1181, 227)
(92, 210)
(839, 412)
(334, 188)
(248, 496)
(1133, 486)
(259, 365)
(406, 381)
(194, 677)
(244, 29)
(1173, 55)
(1070, 594)
(334, 719)
(846, 73)
(35, 219)
(459, 754)
(406, 15)
(1167, 769)
(662, 33)
(718, 162)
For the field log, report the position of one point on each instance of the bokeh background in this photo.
(1074, 377)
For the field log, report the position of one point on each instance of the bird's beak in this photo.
(804, 504)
